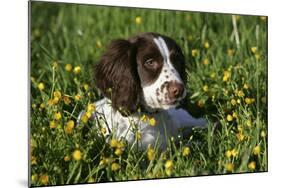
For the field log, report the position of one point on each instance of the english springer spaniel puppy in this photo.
(142, 80)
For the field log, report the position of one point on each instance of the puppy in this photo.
(142, 80)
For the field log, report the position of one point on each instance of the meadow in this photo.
(226, 59)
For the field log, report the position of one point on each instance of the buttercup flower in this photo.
(205, 88)
(98, 44)
(169, 165)
(240, 137)
(52, 124)
(150, 153)
(41, 86)
(252, 165)
(66, 100)
(77, 70)
(257, 150)
(254, 49)
(229, 117)
(194, 52)
(185, 151)
(57, 116)
(206, 45)
(68, 129)
(77, 97)
(44, 179)
(66, 158)
(77, 155)
(229, 167)
(113, 143)
(152, 122)
(115, 167)
(68, 67)
(205, 61)
(57, 94)
(138, 20)
(233, 102)
(118, 151)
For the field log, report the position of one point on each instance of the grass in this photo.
(226, 58)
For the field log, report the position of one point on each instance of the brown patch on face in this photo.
(149, 59)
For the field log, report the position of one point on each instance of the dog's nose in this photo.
(175, 89)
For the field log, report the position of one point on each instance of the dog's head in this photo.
(147, 70)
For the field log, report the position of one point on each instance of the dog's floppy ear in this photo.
(117, 78)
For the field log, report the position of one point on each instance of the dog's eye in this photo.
(149, 62)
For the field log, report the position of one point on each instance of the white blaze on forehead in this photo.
(163, 48)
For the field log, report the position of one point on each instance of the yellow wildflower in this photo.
(234, 115)
(98, 44)
(66, 100)
(84, 118)
(229, 167)
(257, 150)
(185, 151)
(263, 134)
(57, 116)
(254, 49)
(68, 67)
(228, 153)
(194, 52)
(169, 165)
(246, 86)
(201, 103)
(205, 88)
(150, 153)
(77, 155)
(42, 105)
(77, 70)
(206, 45)
(144, 118)
(240, 93)
(44, 179)
(115, 167)
(248, 100)
(252, 165)
(86, 87)
(234, 152)
(91, 180)
(118, 151)
(226, 75)
(138, 20)
(205, 61)
(249, 123)
(33, 160)
(229, 117)
(240, 137)
(91, 108)
(66, 158)
(33, 106)
(41, 86)
(152, 122)
(34, 178)
(77, 97)
(52, 124)
(57, 94)
(213, 75)
(113, 143)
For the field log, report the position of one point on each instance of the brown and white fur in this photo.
(144, 75)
